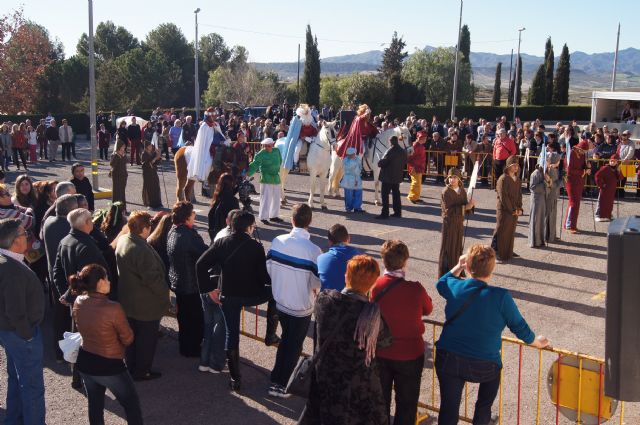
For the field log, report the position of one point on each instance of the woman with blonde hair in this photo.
(469, 346)
(345, 385)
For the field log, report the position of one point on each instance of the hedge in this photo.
(526, 113)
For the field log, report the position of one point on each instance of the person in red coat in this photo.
(577, 168)
(360, 129)
(416, 163)
(402, 307)
(607, 179)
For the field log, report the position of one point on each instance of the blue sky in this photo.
(271, 30)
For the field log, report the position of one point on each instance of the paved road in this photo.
(558, 289)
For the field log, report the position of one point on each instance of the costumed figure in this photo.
(607, 179)
(508, 209)
(118, 174)
(302, 128)
(268, 162)
(359, 129)
(554, 171)
(203, 154)
(539, 185)
(454, 203)
(577, 168)
(352, 181)
(150, 182)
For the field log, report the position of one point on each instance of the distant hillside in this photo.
(588, 71)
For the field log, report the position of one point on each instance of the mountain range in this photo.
(588, 71)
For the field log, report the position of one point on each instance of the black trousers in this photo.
(498, 169)
(394, 188)
(104, 153)
(405, 375)
(66, 151)
(453, 371)
(190, 324)
(140, 354)
(20, 152)
(294, 331)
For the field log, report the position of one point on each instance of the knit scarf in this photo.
(368, 326)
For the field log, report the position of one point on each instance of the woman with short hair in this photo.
(105, 335)
(345, 385)
(470, 343)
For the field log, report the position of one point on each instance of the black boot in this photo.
(270, 337)
(233, 361)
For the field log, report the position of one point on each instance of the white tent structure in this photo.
(140, 121)
(606, 107)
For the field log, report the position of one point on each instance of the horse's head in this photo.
(404, 138)
(328, 132)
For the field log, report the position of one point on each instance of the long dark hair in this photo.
(30, 199)
(225, 185)
(87, 279)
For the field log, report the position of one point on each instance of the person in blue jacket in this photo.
(469, 346)
(352, 181)
(332, 265)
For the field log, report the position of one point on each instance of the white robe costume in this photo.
(199, 160)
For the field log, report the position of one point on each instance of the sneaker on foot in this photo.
(276, 390)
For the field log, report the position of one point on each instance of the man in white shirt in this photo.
(66, 138)
(292, 265)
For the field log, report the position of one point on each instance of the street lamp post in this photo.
(197, 79)
(92, 104)
(515, 82)
(455, 69)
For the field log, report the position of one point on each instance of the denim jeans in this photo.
(294, 331)
(453, 371)
(25, 388)
(215, 329)
(232, 309)
(352, 199)
(123, 389)
(405, 377)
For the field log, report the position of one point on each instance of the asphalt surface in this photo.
(559, 290)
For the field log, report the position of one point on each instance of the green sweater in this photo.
(268, 164)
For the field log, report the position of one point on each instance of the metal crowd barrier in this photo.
(575, 379)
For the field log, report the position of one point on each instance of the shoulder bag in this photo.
(474, 294)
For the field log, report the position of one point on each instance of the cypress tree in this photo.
(561, 80)
(391, 67)
(466, 91)
(495, 101)
(537, 89)
(519, 92)
(548, 72)
(310, 85)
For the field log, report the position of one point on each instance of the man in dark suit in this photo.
(392, 167)
(21, 312)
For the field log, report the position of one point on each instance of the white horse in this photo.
(319, 161)
(379, 146)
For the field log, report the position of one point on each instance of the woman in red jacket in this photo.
(577, 168)
(402, 307)
(18, 144)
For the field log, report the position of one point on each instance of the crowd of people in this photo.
(109, 273)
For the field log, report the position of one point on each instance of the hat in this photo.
(267, 141)
(351, 151)
(584, 145)
(421, 133)
(454, 172)
(626, 132)
(512, 160)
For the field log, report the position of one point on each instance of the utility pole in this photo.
(298, 87)
(515, 78)
(92, 104)
(197, 79)
(615, 62)
(455, 71)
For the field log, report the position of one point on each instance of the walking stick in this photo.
(593, 215)
(166, 197)
(562, 217)
(466, 224)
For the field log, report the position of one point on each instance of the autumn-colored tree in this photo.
(25, 52)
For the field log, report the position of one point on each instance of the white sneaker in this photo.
(279, 391)
(599, 220)
(208, 369)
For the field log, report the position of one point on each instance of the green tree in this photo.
(495, 100)
(466, 91)
(561, 79)
(213, 52)
(519, 93)
(239, 57)
(109, 41)
(310, 84)
(245, 85)
(365, 88)
(548, 72)
(537, 89)
(431, 73)
(330, 91)
(391, 68)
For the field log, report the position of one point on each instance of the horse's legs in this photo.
(188, 190)
(312, 186)
(322, 187)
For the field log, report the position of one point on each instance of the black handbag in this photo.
(300, 381)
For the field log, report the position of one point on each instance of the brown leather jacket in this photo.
(103, 325)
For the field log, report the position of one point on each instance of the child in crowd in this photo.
(352, 181)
